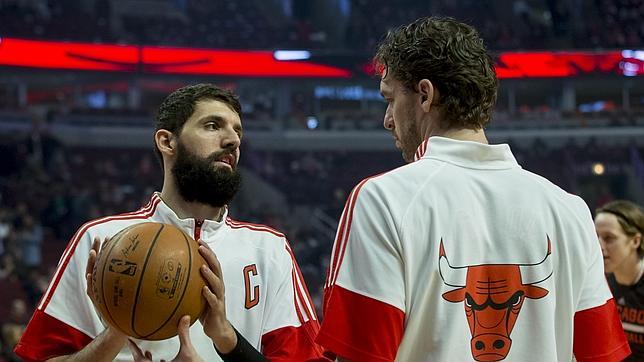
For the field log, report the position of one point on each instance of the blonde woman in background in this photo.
(620, 225)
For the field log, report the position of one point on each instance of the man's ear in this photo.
(637, 240)
(165, 141)
(427, 94)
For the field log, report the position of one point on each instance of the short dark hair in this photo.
(180, 104)
(629, 216)
(453, 57)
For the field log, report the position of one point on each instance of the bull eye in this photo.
(468, 301)
(516, 299)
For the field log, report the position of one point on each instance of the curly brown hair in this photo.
(453, 57)
(180, 104)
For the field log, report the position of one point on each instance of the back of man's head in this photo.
(453, 57)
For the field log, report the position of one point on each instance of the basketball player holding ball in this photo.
(256, 297)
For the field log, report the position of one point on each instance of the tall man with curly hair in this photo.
(461, 254)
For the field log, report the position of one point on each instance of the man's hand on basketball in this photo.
(187, 352)
(89, 272)
(214, 321)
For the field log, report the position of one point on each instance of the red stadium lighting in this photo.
(557, 64)
(124, 58)
(59, 55)
(232, 63)
(162, 60)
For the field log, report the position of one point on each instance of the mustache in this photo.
(219, 154)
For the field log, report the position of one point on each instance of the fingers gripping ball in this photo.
(146, 278)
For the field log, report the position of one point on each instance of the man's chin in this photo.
(407, 157)
(226, 168)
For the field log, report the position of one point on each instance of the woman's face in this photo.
(617, 247)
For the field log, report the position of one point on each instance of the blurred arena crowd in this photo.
(48, 189)
(338, 24)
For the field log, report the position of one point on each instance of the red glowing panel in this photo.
(59, 55)
(232, 63)
(556, 64)
(82, 56)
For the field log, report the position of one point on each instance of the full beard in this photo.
(198, 180)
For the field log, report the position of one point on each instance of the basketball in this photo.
(146, 277)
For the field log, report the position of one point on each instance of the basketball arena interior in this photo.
(81, 80)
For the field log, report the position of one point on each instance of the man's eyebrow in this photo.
(211, 117)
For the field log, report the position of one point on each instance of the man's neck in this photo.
(185, 209)
(466, 135)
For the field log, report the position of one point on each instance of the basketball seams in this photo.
(138, 287)
(185, 288)
(143, 213)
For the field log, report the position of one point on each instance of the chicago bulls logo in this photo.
(493, 295)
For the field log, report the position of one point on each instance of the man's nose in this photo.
(388, 121)
(231, 140)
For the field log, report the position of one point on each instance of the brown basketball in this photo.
(146, 278)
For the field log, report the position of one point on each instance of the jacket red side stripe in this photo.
(257, 227)
(339, 236)
(69, 251)
(297, 303)
(300, 287)
(346, 229)
(300, 304)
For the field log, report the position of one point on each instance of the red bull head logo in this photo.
(493, 295)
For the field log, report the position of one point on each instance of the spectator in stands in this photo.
(620, 227)
(30, 238)
(7, 266)
(13, 327)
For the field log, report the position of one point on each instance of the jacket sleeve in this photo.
(65, 320)
(291, 323)
(364, 296)
(598, 332)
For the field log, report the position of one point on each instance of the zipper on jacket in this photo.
(198, 224)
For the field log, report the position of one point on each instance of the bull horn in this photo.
(538, 272)
(452, 276)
